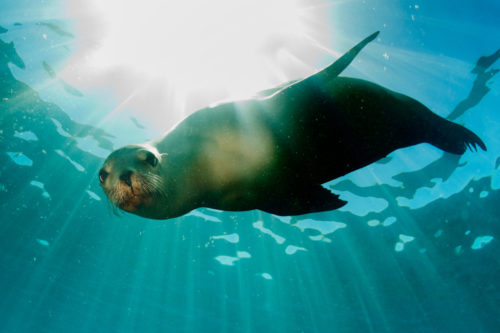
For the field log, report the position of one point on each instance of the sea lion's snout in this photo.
(129, 178)
(125, 188)
(126, 177)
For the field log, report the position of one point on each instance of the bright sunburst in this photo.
(231, 47)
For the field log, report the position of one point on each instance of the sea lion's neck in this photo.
(186, 179)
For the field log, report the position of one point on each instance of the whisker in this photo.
(153, 185)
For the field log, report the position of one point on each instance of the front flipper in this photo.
(305, 200)
(341, 63)
(326, 74)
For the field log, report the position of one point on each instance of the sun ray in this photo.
(195, 44)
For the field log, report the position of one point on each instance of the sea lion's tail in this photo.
(455, 139)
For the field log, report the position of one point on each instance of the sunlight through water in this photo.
(189, 42)
(415, 249)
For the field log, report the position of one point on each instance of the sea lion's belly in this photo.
(239, 160)
(233, 156)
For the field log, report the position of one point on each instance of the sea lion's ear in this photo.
(161, 157)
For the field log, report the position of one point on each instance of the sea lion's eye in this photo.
(103, 175)
(151, 159)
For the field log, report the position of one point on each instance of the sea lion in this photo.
(273, 152)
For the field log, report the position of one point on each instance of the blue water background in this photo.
(416, 249)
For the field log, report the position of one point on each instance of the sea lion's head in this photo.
(131, 179)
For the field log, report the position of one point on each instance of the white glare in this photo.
(164, 59)
(229, 44)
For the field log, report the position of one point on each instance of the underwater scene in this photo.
(414, 249)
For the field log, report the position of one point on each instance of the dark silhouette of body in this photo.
(274, 153)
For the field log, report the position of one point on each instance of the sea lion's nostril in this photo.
(125, 177)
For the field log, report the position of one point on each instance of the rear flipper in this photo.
(455, 139)
(304, 200)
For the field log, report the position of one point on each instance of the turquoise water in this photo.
(415, 250)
